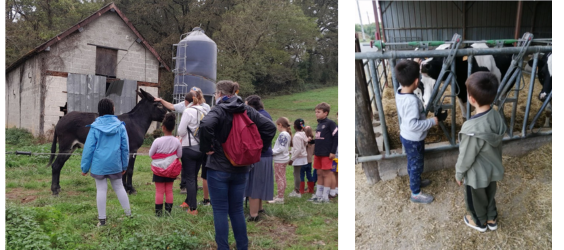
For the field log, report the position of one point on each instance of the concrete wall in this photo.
(23, 96)
(74, 55)
(56, 97)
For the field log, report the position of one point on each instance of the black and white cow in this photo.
(498, 65)
(545, 78)
(545, 74)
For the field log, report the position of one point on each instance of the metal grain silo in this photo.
(195, 65)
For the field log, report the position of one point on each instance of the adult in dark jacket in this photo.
(227, 183)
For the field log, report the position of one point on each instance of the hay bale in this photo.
(436, 134)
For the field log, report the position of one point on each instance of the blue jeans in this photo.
(226, 193)
(305, 171)
(414, 151)
(314, 174)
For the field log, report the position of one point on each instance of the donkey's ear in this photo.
(140, 94)
(147, 95)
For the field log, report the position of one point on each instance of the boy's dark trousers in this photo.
(480, 203)
(415, 151)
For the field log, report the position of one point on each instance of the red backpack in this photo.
(243, 145)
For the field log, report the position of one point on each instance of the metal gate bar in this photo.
(517, 74)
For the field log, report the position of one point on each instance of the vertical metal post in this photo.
(376, 21)
(514, 110)
(518, 21)
(380, 17)
(380, 109)
(470, 58)
(453, 100)
(395, 86)
(360, 16)
(530, 95)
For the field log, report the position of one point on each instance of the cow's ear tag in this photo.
(465, 58)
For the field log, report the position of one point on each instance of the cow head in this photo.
(155, 109)
(432, 67)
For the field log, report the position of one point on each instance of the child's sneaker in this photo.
(253, 219)
(206, 202)
(184, 205)
(277, 201)
(422, 198)
(492, 225)
(469, 222)
(313, 198)
(295, 194)
(101, 222)
(425, 183)
(321, 201)
(192, 212)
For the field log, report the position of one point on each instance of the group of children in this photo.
(479, 164)
(106, 157)
(323, 146)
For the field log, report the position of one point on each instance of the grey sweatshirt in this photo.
(413, 125)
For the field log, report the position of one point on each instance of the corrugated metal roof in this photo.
(84, 22)
(405, 21)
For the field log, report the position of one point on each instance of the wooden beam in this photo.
(147, 84)
(57, 73)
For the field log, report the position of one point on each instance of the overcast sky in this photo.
(365, 5)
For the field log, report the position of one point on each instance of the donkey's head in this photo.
(148, 104)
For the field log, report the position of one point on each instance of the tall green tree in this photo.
(267, 46)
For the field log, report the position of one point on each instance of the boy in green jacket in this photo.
(479, 162)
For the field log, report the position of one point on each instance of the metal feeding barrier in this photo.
(514, 75)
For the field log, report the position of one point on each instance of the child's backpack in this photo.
(243, 145)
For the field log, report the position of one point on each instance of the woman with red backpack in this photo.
(227, 178)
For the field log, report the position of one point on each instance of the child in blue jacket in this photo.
(106, 156)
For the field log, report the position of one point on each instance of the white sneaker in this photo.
(277, 201)
(295, 194)
(313, 198)
(298, 195)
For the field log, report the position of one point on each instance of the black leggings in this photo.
(190, 169)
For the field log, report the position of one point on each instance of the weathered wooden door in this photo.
(106, 62)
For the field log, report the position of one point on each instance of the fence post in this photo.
(364, 132)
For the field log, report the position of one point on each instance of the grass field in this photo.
(35, 219)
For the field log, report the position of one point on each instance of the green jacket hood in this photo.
(492, 138)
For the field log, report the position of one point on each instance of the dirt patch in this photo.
(436, 134)
(144, 150)
(386, 219)
(20, 194)
(274, 228)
